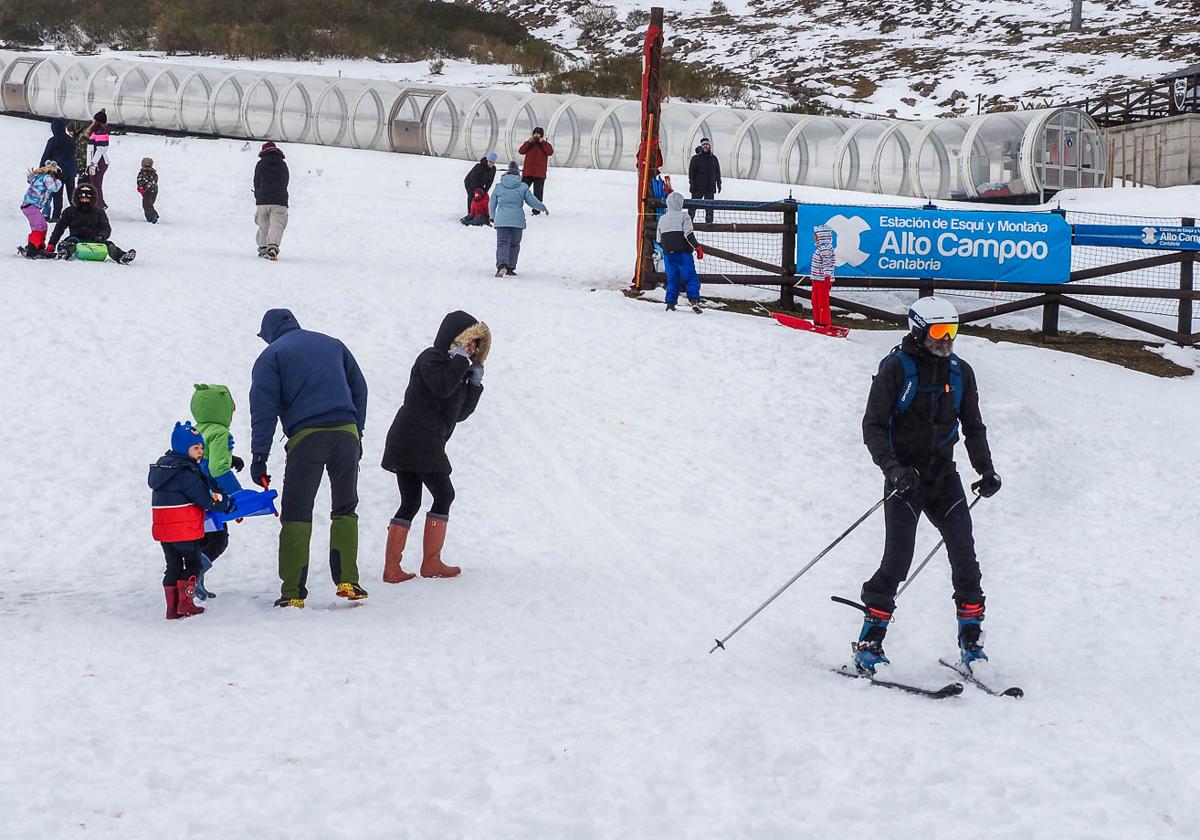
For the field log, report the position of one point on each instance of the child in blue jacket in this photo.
(182, 493)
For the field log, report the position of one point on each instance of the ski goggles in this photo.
(940, 332)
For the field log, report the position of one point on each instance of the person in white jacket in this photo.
(821, 273)
(98, 155)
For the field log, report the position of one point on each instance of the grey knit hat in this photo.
(513, 169)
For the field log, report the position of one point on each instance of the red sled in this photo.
(797, 323)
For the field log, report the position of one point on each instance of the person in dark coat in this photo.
(85, 222)
(270, 199)
(481, 177)
(537, 151)
(704, 176)
(311, 384)
(919, 400)
(60, 148)
(444, 388)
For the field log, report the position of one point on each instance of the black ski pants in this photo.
(440, 487)
(183, 561)
(537, 185)
(61, 197)
(708, 212)
(942, 499)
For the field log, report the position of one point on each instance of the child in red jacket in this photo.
(182, 493)
(479, 209)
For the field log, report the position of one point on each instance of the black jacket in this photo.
(704, 173)
(438, 397)
(60, 148)
(87, 224)
(271, 178)
(481, 177)
(928, 420)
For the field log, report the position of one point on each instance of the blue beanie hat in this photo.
(184, 438)
(491, 156)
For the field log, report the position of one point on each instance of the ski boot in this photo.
(970, 634)
(868, 650)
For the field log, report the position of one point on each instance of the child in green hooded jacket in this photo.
(212, 409)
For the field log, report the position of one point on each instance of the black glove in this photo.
(987, 486)
(258, 472)
(903, 479)
(237, 463)
(226, 505)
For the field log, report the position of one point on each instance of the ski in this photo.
(967, 674)
(950, 690)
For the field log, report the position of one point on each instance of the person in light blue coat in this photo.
(507, 210)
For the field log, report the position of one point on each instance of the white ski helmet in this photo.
(930, 310)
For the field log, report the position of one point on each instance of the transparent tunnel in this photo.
(998, 155)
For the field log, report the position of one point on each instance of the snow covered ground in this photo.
(633, 484)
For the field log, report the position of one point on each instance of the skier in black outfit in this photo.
(443, 390)
(919, 399)
(704, 176)
(86, 223)
(481, 177)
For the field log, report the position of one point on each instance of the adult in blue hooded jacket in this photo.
(60, 148)
(311, 384)
(507, 209)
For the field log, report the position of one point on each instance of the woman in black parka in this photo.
(443, 390)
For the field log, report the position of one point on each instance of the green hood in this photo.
(212, 404)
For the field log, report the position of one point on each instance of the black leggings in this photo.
(410, 494)
(183, 561)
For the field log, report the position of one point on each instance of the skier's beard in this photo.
(941, 348)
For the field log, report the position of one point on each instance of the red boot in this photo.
(435, 537)
(172, 594)
(187, 591)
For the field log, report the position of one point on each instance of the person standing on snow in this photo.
(919, 399)
(270, 199)
(821, 273)
(60, 148)
(704, 177)
(98, 155)
(35, 204)
(537, 151)
(481, 177)
(443, 390)
(678, 241)
(312, 385)
(507, 210)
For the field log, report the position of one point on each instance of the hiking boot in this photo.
(262, 251)
(502, 271)
(696, 306)
(868, 650)
(970, 633)
(128, 257)
(272, 252)
(351, 591)
(298, 603)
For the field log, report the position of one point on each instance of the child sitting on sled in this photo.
(478, 214)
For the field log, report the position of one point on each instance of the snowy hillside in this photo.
(880, 57)
(633, 484)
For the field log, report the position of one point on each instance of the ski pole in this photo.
(929, 556)
(720, 643)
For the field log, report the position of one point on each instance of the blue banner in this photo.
(945, 244)
(1160, 237)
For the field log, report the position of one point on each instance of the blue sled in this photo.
(246, 503)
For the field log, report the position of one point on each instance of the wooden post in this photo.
(787, 297)
(649, 157)
(1050, 319)
(1186, 284)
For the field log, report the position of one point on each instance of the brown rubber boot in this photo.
(435, 537)
(187, 591)
(396, 539)
(172, 594)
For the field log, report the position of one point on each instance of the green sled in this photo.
(91, 251)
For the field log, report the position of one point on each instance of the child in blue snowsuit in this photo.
(677, 238)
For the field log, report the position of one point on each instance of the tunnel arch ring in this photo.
(482, 102)
(306, 112)
(567, 109)
(607, 116)
(427, 123)
(523, 106)
(151, 103)
(789, 147)
(331, 89)
(745, 128)
(1025, 167)
(215, 96)
(262, 81)
(180, 113)
(89, 89)
(697, 123)
(897, 131)
(120, 101)
(848, 143)
(380, 118)
(945, 165)
(60, 93)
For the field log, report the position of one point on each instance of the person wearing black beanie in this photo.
(537, 151)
